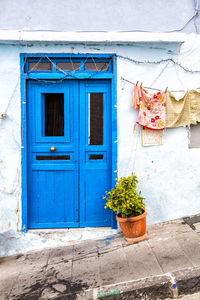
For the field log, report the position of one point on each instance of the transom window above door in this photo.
(86, 64)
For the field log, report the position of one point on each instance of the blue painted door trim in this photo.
(24, 77)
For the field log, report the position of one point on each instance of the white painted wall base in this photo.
(13, 242)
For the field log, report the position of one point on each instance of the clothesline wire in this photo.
(71, 74)
(178, 77)
(14, 185)
(160, 73)
(154, 89)
(157, 62)
(15, 88)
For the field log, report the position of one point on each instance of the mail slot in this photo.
(53, 157)
(95, 156)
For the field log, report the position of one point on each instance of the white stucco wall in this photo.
(104, 15)
(169, 175)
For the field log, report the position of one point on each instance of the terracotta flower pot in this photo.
(134, 228)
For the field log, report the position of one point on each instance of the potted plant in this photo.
(127, 203)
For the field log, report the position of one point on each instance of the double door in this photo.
(69, 153)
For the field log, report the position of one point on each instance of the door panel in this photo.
(52, 176)
(48, 205)
(95, 142)
(66, 186)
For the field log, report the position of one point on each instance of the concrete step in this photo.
(166, 265)
(183, 284)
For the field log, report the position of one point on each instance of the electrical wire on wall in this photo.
(167, 61)
(72, 73)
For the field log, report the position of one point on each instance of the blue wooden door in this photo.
(69, 153)
(95, 152)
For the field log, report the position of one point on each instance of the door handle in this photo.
(53, 149)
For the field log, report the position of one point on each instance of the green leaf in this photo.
(124, 197)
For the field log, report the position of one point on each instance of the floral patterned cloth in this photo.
(152, 109)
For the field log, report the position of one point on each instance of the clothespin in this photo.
(166, 89)
(137, 83)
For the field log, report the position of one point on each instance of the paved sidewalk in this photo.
(164, 266)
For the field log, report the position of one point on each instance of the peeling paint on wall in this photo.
(168, 174)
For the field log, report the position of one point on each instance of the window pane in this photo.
(96, 66)
(54, 114)
(40, 66)
(68, 66)
(96, 119)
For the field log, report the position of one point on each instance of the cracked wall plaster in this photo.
(168, 174)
